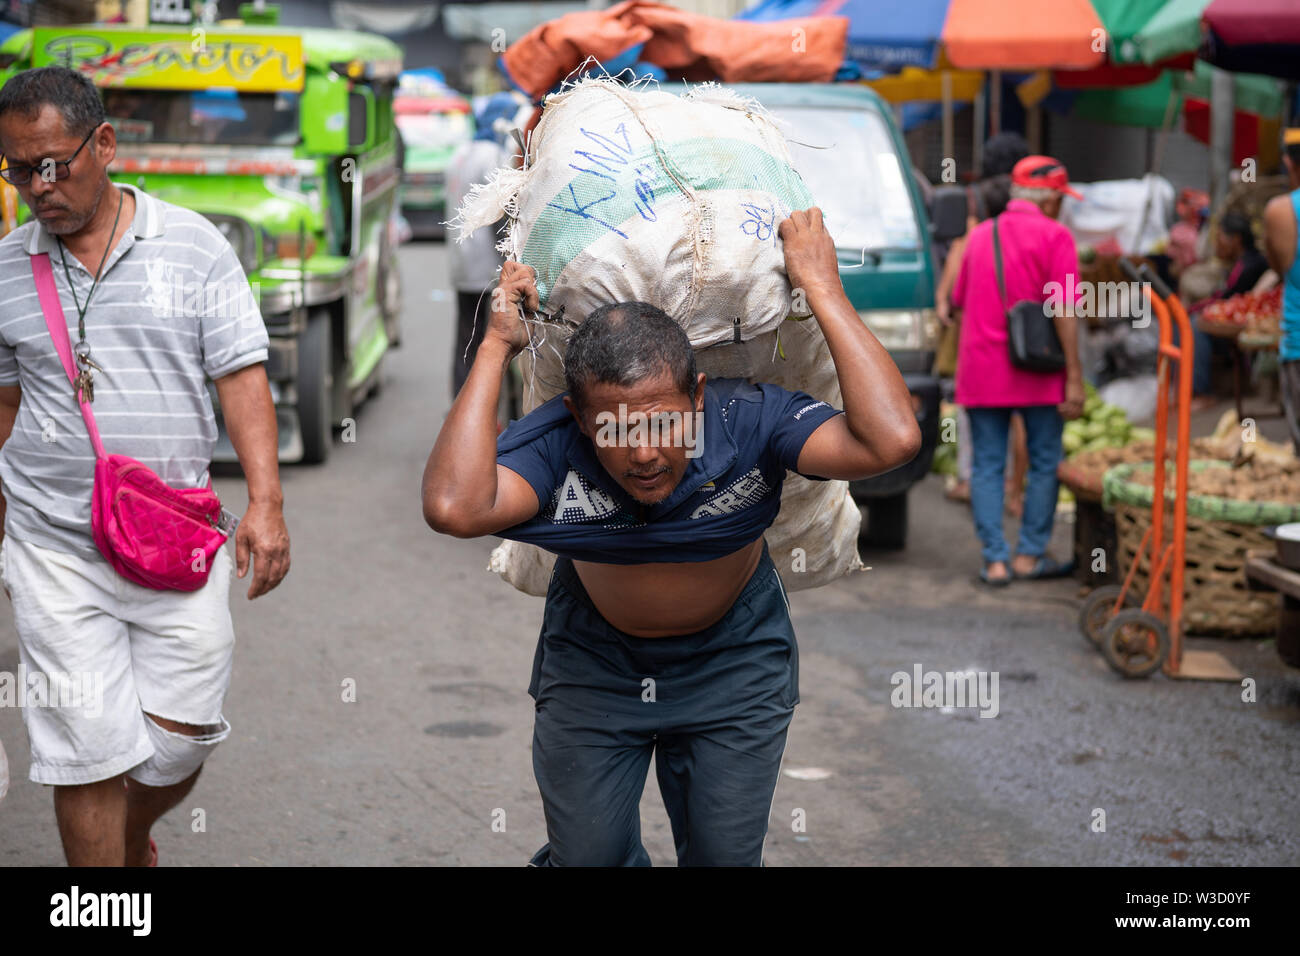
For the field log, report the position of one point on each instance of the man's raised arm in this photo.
(465, 492)
(878, 430)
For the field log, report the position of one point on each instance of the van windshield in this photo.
(855, 176)
(212, 116)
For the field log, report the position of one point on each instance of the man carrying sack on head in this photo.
(666, 629)
(116, 309)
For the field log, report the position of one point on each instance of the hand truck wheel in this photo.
(1095, 613)
(1135, 642)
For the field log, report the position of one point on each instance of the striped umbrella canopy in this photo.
(1172, 30)
(1013, 35)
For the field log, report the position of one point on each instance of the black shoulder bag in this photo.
(1031, 332)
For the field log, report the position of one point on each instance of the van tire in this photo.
(885, 527)
(315, 384)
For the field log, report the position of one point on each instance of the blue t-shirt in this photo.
(1289, 347)
(729, 494)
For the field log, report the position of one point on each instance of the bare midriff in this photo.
(664, 600)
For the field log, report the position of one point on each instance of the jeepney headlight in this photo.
(241, 237)
(903, 329)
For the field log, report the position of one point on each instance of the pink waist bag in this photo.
(151, 533)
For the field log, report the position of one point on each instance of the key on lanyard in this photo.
(85, 380)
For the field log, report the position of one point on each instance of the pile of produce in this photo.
(1255, 480)
(1256, 312)
(1258, 470)
(1268, 460)
(1143, 449)
(1101, 426)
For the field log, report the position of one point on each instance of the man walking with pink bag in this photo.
(1017, 257)
(155, 302)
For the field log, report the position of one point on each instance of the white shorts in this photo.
(111, 650)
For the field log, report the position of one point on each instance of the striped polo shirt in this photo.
(172, 308)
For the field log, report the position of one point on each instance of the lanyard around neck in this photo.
(81, 309)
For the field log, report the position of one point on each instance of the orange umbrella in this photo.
(1024, 35)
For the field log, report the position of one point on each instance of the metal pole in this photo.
(948, 138)
(995, 102)
(1165, 125)
(1221, 117)
(977, 133)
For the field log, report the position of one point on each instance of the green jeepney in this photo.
(433, 121)
(284, 138)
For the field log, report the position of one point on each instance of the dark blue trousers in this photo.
(713, 707)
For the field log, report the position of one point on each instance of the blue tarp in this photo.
(883, 35)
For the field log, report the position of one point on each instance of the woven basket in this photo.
(1085, 484)
(1216, 596)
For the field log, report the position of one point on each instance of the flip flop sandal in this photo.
(1047, 568)
(998, 582)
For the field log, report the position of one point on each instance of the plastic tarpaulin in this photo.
(968, 34)
(1132, 212)
(881, 36)
(687, 45)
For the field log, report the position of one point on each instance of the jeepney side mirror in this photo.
(948, 213)
(360, 110)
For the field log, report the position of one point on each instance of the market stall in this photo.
(1237, 490)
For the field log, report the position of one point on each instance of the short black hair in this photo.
(1235, 224)
(995, 193)
(71, 93)
(626, 343)
(1001, 153)
(1293, 151)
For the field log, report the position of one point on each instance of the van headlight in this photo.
(903, 330)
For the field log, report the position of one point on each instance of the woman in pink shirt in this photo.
(1037, 251)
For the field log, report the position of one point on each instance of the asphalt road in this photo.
(436, 746)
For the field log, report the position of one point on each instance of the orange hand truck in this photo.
(1135, 639)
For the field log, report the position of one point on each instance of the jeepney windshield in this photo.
(848, 161)
(212, 116)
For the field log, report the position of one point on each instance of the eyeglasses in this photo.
(22, 175)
